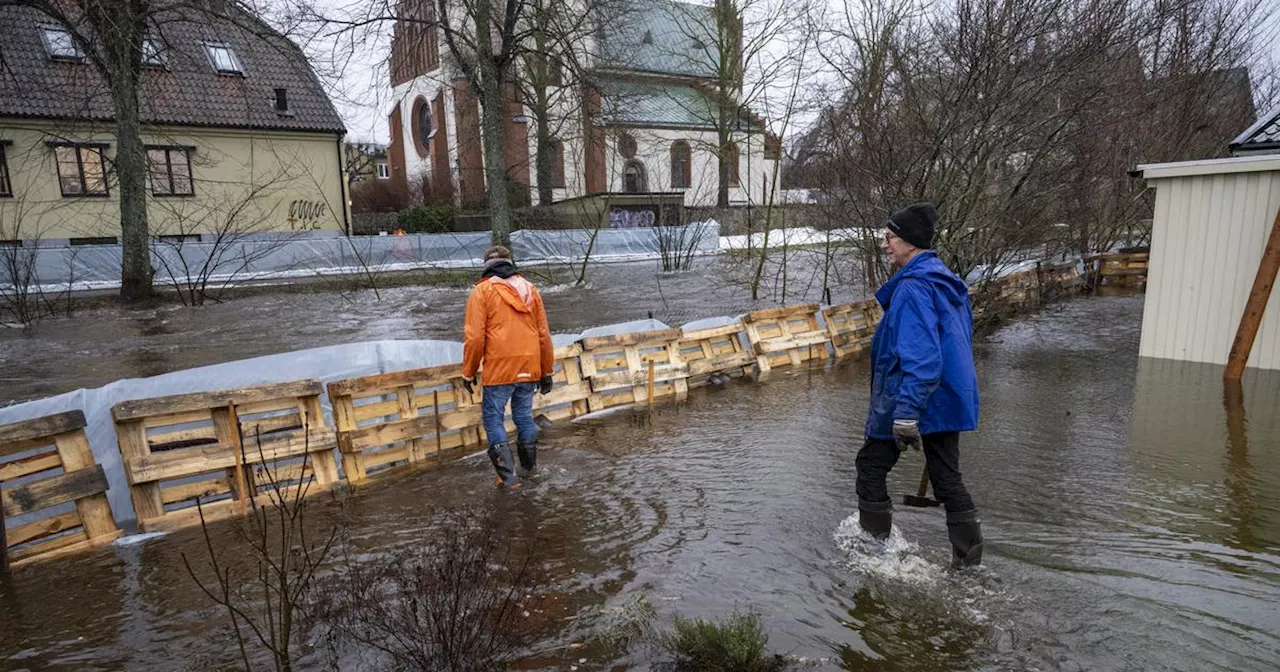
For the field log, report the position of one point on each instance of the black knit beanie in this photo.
(914, 224)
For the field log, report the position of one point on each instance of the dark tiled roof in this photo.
(186, 93)
(1262, 136)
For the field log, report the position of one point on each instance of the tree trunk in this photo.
(546, 154)
(722, 187)
(495, 169)
(131, 166)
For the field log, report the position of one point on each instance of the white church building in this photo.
(641, 119)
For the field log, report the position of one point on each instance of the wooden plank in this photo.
(771, 346)
(610, 362)
(731, 329)
(204, 459)
(42, 528)
(1263, 282)
(181, 439)
(209, 488)
(131, 437)
(634, 338)
(720, 363)
(95, 511)
(379, 458)
(387, 381)
(381, 409)
(269, 425)
(567, 351)
(563, 394)
(182, 403)
(409, 428)
(171, 419)
(767, 314)
(38, 428)
(65, 541)
(27, 466)
(662, 374)
(53, 491)
(264, 474)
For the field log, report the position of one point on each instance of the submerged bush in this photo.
(736, 644)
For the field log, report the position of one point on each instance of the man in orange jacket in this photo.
(506, 331)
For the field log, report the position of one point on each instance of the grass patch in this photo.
(736, 644)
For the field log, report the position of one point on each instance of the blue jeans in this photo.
(493, 407)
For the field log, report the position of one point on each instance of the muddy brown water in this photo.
(1130, 526)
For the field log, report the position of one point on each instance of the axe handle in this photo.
(924, 483)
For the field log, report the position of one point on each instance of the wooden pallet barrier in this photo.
(716, 350)
(46, 463)
(401, 418)
(786, 336)
(851, 326)
(222, 448)
(1061, 278)
(570, 391)
(617, 367)
(1127, 269)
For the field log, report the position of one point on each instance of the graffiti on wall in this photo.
(305, 214)
(620, 218)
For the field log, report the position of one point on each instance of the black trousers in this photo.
(941, 455)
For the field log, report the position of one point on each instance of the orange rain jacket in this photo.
(506, 330)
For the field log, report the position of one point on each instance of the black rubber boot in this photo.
(876, 518)
(965, 531)
(500, 456)
(528, 455)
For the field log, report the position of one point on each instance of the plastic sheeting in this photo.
(301, 255)
(328, 364)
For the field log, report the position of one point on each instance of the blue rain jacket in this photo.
(922, 352)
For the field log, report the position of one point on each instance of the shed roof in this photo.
(186, 92)
(1262, 136)
(1240, 164)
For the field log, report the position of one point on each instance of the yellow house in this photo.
(241, 138)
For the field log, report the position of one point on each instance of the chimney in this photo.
(282, 101)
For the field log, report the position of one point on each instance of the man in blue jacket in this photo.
(924, 389)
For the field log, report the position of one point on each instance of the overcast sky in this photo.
(354, 70)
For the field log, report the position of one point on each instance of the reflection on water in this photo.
(1133, 522)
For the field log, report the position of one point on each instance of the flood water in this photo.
(1130, 525)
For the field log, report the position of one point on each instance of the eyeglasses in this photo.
(889, 236)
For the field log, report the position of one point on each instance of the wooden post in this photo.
(1250, 322)
(435, 403)
(650, 398)
(4, 546)
(237, 444)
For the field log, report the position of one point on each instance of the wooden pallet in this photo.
(402, 418)
(851, 326)
(786, 336)
(570, 391)
(184, 448)
(1064, 277)
(617, 368)
(46, 463)
(716, 350)
(1125, 269)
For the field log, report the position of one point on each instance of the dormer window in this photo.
(153, 55)
(223, 59)
(60, 44)
(282, 103)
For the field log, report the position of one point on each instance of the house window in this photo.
(731, 159)
(633, 180)
(153, 55)
(627, 146)
(170, 171)
(420, 124)
(6, 187)
(82, 170)
(681, 163)
(60, 44)
(557, 164)
(223, 59)
(555, 72)
(384, 171)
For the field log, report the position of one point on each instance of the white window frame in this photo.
(384, 171)
(235, 67)
(47, 37)
(153, 54)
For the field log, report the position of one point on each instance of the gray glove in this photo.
(468, 383)
(544, 385)
(907, 433)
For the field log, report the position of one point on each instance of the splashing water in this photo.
(894, 559)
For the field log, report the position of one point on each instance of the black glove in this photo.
(468, 383)
(544, 385)
(907, 433)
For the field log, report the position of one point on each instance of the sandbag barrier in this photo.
(222, 447)
(53, 493)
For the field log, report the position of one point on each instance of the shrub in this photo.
(429, 218)
(736, 644)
